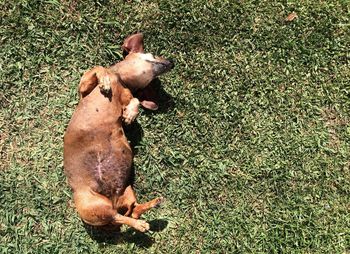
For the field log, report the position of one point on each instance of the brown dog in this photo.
(97, 155)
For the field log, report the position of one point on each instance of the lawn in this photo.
(250, 146)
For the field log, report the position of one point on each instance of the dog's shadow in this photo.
(134, 134)
(155, 92)
(112, 235)
(165, 101)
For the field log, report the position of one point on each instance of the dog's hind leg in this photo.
(139, 209)
(127, 203)
(97, 210)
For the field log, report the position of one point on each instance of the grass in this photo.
(250, 148)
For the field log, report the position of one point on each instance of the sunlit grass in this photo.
(250, 147)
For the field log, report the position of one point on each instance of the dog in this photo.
(97, 155)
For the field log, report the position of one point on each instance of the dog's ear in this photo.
(149, 95)
(151, 105)
(134, 43)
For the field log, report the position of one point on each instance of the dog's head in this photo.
(138, 69)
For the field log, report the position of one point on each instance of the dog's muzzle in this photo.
(162, 66)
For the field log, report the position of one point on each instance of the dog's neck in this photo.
(118, 70)
(114, 68)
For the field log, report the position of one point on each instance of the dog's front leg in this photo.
(131, 111)
(90, 79)
(130, 106)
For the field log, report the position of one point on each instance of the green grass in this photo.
(252, 155)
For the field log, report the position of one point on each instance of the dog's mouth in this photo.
(160, 67)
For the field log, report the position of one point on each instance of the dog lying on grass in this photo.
(97, 155)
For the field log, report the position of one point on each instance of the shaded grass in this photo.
(252, 156)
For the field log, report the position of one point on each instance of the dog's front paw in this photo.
(131, 111)
(105, 84)
(105, 89)
(141, 225)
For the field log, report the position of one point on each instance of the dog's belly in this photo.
(110, 169)
(97, 155)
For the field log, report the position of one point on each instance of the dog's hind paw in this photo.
(159, 201)
(141, 226)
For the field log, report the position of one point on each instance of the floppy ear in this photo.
(134, 43)
(151, 105)
(149, 95)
